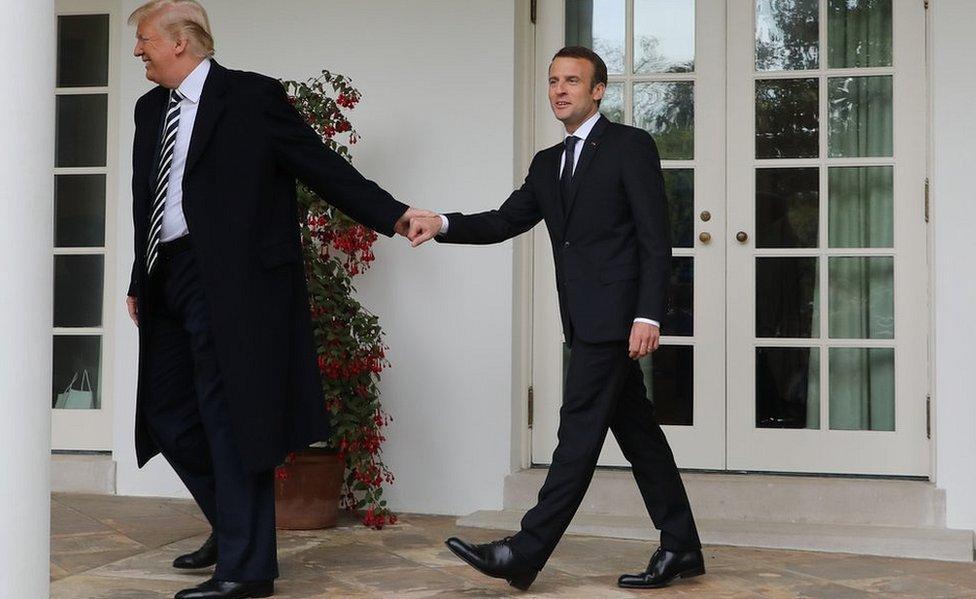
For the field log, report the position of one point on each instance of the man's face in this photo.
(571, 95)
(158, 52)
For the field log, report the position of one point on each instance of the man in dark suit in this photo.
(228, 382)
(601, 194)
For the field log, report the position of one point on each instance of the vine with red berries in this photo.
(351, 353)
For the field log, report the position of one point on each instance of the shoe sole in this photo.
(522, 583)
(661, 585)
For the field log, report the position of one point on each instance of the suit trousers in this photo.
(186, 413)
(605, 390)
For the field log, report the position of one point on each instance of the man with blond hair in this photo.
(228, 382)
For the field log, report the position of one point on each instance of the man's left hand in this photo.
(402, 225)
(644, 339)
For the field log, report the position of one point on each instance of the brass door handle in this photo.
(742, 236)
(704, 237)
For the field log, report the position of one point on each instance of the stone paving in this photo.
(121, 548)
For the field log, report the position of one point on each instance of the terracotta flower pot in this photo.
(307, 491)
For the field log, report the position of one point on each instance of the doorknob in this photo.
(742, 236)
(706, 216)
(704, 236)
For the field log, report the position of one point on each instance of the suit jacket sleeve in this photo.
(519, 213)
(299, 149)
(644, 188)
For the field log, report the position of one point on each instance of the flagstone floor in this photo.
(121, 548)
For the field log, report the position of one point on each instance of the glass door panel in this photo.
(825, 231)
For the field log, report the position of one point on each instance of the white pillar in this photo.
(27, 45)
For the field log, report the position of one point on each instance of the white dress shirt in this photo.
(581, 132)
(174, 224)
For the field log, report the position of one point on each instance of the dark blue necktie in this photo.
(566, 179)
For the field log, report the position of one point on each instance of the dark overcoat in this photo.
(248, 147)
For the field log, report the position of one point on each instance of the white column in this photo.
(27, 45)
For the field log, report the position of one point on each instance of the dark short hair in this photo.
(599, 67)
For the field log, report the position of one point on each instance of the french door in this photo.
(793, 145)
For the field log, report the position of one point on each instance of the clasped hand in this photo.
(418, 225)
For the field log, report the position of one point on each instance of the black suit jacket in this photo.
(611, 245)
(247, 148)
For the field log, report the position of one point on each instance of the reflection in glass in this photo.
(664, 36)
(82, 50)
(81, 130)
(860, 205)
(612, 105)
(679, 318)
(669, 377)
(599, 25)
(861, 298)
(787, 207)
(787, 297)
(787, 118)
(666, 110)
(79, 210)
(788, 387)
(858, 33)
(78, 291)
(787, 35)
(75, 381)
(860, 117)
(862, 388)
(679, 186)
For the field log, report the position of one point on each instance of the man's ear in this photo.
(599, 90)
(181, 45)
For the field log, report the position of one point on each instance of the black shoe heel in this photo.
(523, 581)
(692, 573)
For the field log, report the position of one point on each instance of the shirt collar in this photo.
(192, 86)
(583, 131)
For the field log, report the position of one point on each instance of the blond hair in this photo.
(181, 19)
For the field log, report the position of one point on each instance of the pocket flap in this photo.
(276, 254)
(619, 273)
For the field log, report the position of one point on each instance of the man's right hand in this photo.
(424, 228)
(132, 305)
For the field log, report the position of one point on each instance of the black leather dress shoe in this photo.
(495, 559)
(204, 557)
(665, 567)
(227, 589)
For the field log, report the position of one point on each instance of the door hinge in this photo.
(533, 10)
(531, 410)
(928, 416)
(925, 3)
(926, 199)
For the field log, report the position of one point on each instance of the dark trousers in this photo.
(605, 390)
(186, 412)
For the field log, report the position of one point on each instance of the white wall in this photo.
(954, 231)
(436, 123)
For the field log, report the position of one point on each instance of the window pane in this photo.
(680, 319)
(679, 186)
(787, 207)
(862, 297)
(787, 35)
(664, 36)
(78, 291)
(77, 366)
(669, 378)
(83, 50)
(787, 118)
(787, 297)
(862, 388)
(860, 116)
(861, 207)
(600, 25)
(788, 387)
(81, 130)
(666, 110)
(612, 105)
(859, 33)
(79, 210)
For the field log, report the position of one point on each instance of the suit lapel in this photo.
(146, 145)
(590, 147)
(208, 113)
(551, 176)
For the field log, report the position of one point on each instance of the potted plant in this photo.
(346, 470)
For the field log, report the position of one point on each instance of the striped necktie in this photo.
(171, 125)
